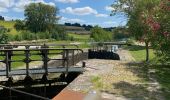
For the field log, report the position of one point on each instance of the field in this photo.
(9, 25)
(78, 37)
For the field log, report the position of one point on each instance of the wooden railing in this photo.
(44, 54)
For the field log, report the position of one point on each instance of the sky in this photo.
(90, 12)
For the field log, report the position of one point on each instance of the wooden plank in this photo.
(42, 71)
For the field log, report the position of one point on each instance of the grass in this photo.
(163, 77)
(9, 25)
(139, 52)
(162, 72)
(97, 82)
(78, 37)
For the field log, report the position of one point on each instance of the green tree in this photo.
(161, 40)
(19, 25)
(40, 17)
(3, 36)
(98, 34)
(138, 13)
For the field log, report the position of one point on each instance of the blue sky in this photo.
(93, 12)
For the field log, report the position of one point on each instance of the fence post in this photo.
(9, 56)
(73, 60)
(63, 56)
(27, 60)
(7, 64)
(67, 61)
(45, 58)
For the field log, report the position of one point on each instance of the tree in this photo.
(2, 18)
(76, 24)
(100, 35)
(160, 24)
(19, 25)
(138, 13)
(40, 17)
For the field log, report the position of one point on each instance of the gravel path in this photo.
(115, 80)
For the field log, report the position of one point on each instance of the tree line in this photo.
(86, 27)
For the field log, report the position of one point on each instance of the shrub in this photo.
(3, 36)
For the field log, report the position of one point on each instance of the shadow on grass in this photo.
(135, 92)
(139, 69)
(135, 48)
(162, 74)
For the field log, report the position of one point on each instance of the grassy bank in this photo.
(9, 25)
(139, 52)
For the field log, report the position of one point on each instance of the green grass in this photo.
(78, 37)
(9, 25)
(163, 77)
(139, 52)
(97, 82)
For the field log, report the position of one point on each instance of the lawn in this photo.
(139, 52)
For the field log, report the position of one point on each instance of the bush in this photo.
(3, 36)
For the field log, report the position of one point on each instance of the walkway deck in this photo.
(42, 71)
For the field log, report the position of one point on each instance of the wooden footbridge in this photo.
(66, 55)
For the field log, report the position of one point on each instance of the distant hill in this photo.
(9, 25)
(76, 30)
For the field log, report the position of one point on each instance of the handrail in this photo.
(16, 45)
(43, 54)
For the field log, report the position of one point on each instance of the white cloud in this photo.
(3, 9)
(101, 15)
(70, 20)
(6, 3)
(82, 11)
(68, 1)
(10, 18)
(109, 8)
(18, 5)
(79, 11)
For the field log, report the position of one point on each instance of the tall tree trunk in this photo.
(147, 50)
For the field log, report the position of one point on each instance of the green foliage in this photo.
(98, 34)
(40, 17)
(120, 33)
(138, 11)
(19, 25)
(3, 36)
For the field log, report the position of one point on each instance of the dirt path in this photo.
(115, 80)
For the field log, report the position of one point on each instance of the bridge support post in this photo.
(9, 84)
(28, 81)
(45, 58)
